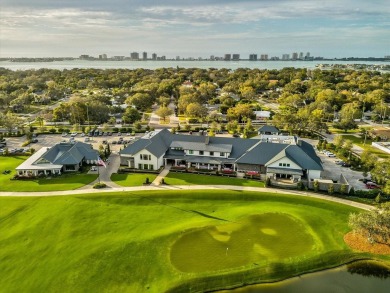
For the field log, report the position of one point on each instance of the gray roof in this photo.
(262, 153)
(267, 128)
(156, 143)
(70, 153)
(201, 146)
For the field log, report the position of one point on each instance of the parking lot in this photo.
(333, 171)
(48, 140)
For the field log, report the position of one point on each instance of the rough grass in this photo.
(197, 179)
(122, 242)
(63, 182)
(132, 179)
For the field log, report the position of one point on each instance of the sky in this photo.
(191, 28)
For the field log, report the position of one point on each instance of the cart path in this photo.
(191, 187)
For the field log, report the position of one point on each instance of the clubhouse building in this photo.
(288, 157)
(63, 157)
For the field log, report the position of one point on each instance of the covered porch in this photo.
(295, 175)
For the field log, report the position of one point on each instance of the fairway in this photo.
(158, 241)
(132, 179)
(197, 179)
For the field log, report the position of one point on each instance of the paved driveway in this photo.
(333, 171)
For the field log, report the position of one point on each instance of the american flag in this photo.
(100, 162)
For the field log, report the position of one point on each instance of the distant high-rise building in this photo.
(154, 56)
(253, 57)
(286, 57)
(228, 57)
(177, 58)
(264, 57)
(134, 56)
(163, 58)
(301, 56)
(236, 57)
(308, 54)
(212, 57)
(145, 56)
(103, 57)
(294, 56)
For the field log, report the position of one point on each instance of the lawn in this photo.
(197, 179)
(186, 241)
(132, 179)
(63, 182)
(360, 142)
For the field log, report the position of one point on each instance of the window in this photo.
(140, 166)
(288, 165)
(146, 166)
(150, 167)
(191, 152)
(201, 153)
(211, 153)
(280, 164)
(145, 157)
(222, 154)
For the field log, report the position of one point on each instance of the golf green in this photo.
(269, 236)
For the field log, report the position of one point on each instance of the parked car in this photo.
(330, 155)
(109, 133)
(344, 164)
(119, 133)
(34, 140)
(64, 134)
(73, 134)
(82, 134)
(105, 142)
(372, 185)
(93, 168)
(86, 139)
(114, 142)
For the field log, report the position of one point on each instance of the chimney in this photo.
(207, 139)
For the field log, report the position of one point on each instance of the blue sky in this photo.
(331, 28)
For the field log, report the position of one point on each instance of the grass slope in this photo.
(63, 182)
(360, 142)
(196, 179)
(133, 179)
(123, 242)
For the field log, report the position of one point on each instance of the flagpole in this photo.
(98, 171)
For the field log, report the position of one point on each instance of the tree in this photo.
(348, 145)
(381, 173)
(196, 110)
(142, 101)
(240, 112)
(131, 115)
(164, 112)
(373, 225)
(338, 141)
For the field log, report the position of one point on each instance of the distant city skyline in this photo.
(333, 28)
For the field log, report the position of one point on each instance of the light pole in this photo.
(87, 114)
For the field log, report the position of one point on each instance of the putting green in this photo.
(268, 236)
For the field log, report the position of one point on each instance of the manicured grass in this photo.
(132, 179)
(360, 142)
(133, 241)
(63, 182)
(197, 179)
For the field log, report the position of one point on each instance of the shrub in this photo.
(316, 186)
(331, 189)
(99, 185)
(147, 181)
(268, 182)
(344, 189)
(52, 130)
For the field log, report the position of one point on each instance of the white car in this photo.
(331, 155)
